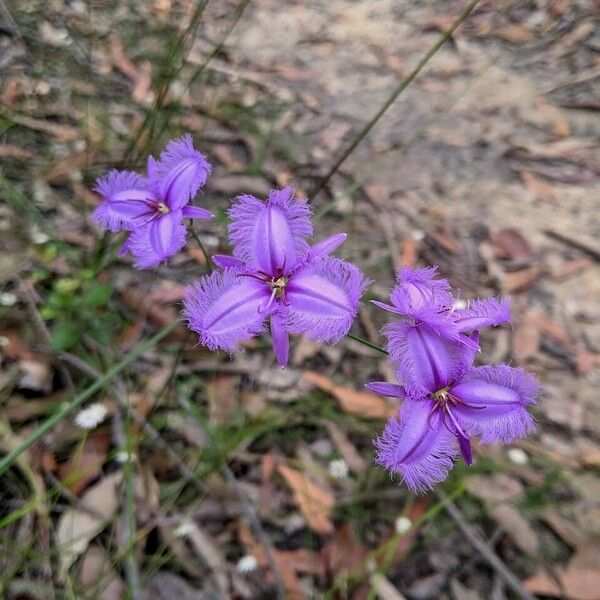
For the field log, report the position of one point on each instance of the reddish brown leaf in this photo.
(575, 584)
(10, 151)
(519, 281)
(510, 244)
(363, 404)
(537, 186)
(85, 463)
(314, 502)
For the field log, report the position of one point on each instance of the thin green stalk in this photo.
(209, 266)
(367, 343)
(67, 408)
(360, 136)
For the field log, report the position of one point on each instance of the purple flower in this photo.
(274, 274)
(447, 401)
(152, 208)
(459, 402)
(428, 321)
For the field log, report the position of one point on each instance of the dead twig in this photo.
(484, 549)
(585, 244)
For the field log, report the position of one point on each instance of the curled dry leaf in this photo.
(77, 527)
(314, 502)
(362, 404)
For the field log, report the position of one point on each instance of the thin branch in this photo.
(485, 550)
(360, 136)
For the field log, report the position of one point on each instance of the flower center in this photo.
(442, 396)
(278, 286)
(162, 208)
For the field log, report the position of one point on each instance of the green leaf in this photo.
(64, 335)
(96, 295)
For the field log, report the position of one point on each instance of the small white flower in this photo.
(91, 416)
(122, 456)
(518, 456)
(8, 299)
(183, 529)
(403, 525)
(246, 564)
(38, 237)
(338, 469)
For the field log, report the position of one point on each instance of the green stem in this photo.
(67, 408)
(209, 267)
(367, 343)
(362, 134)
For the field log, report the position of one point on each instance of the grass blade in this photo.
(362, 134)
(67, 408)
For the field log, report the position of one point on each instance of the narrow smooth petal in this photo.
(157, 241)
(386, 389)
(228, 262)
(328, 245)
(323, 299)
(425, 359)
(127, 200)
(493, 403)
(417, 446)
(485, 312)
(281, 342)
(195, 212)
(270, 235)
(180, 172)
(224, 309)
(466, 450)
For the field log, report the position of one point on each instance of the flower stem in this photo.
(362, 134)
(209, 267)
(367, 343)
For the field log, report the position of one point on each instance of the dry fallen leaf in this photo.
(576, 584)
(510, 243)
(314, 502)
(519, 281)
(515, 34)
(76, 527)
(363, 404)
(517, 527)
(494, 488)
(97, 573)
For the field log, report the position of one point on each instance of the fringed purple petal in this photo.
(195, 212)
(327, 246)
(225, 309)
(494, 403)
(270, 235)
(418, 293)
(158, 240)
(323, 299)
(417, 446)
(386, 389)
(281, 341)
(425, 359)
(180, 172)
(485, 312)
(125, 196)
